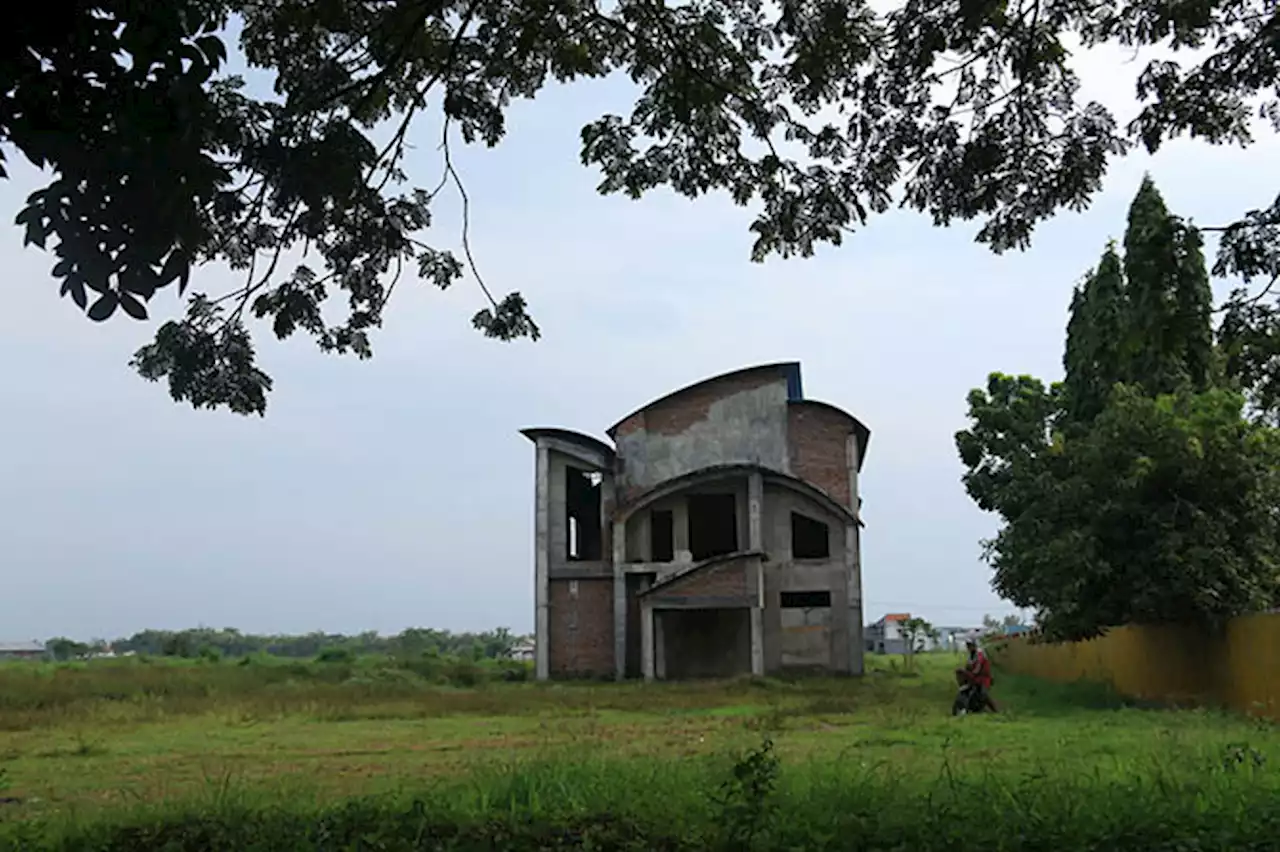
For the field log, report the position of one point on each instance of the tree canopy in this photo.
(410, 643)
(816, 114)
(1135, 490)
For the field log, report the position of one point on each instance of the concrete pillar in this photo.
(854, 599)
(647, 662)
(853, 454)
(757, 623)
(680, 530)
(755, 541)
(542, 566)
(607, 501)
(755, 506)
(757, 641)
(659, 647)
(619, 600)
(853, 564)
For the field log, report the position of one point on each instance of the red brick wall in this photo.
(675, 415)
(580, 631)
(817, 443)
(632, 424)
(719, 581)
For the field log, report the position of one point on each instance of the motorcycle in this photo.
(968, 697)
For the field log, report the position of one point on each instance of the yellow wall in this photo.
(1239, 668)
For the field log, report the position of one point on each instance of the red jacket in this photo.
(980, 668)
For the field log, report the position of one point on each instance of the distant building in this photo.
(22, 651)
(523, 650)
(953, 638)
(886, 636)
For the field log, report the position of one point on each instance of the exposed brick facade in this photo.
(675, 415)
(817, 442)
(729, 579)
(580, 628)
(633, 423)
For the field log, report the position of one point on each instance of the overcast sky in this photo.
(398, 491)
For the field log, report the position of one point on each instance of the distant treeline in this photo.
(229, 642)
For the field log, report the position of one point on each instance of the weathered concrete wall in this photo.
(581, 628)
(706, 642)
(779, 503)
(817, 447)
(557, 519)
(741, 420)
(804, 638)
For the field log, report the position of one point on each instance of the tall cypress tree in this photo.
(1096, 354)
(1170, 302)
(1193, 297)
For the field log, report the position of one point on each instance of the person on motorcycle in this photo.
(978, 673)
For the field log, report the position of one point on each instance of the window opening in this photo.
(662, 539)
(713, 525)
(810, 538)
(806, 600)
(582, 508)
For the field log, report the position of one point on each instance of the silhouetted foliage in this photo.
(817, 115)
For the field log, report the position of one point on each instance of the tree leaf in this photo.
(133, 306)
(74, 287)
(104, 307)
(177, 266)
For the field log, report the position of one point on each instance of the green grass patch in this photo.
(148, 756)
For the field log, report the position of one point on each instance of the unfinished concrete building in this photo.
(718, 536)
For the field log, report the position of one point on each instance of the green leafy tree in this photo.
(1249, 346)
(1164, 511)
(1135, 491)
(816, 115)
(229, 642)
(916, 633)
(64, 649)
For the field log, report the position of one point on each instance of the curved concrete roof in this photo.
(679, 483)
(856, 425)
(568, 436)
(790, 368)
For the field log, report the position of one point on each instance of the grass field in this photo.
(214, 755)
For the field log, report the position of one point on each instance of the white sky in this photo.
(398, 492)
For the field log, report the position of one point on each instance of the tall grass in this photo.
(144, 689)
(713, 803)
(808, 765)
(140, 690)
